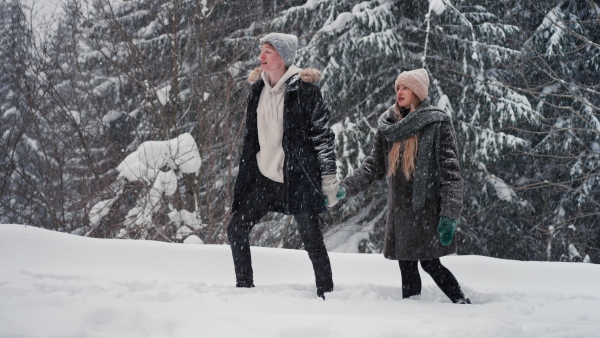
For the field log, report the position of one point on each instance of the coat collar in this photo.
(283, 82)
(308, 75)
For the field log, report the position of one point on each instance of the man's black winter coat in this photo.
(308, 143)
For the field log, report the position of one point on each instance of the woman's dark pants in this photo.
(411, 280)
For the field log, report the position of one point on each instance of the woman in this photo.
(288, 159)
(415, 149)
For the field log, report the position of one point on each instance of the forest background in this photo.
(82, 90)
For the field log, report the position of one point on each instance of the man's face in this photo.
(270, 60)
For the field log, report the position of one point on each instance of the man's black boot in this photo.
(244, 285)
(321, 291)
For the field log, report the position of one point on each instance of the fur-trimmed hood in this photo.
(310, 75)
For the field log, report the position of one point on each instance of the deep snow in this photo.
(59, 285)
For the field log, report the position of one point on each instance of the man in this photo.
(288, 158)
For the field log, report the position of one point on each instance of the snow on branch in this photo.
(180, 153)
(504, 191)
(484, 141)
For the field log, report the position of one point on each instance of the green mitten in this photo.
(341, 194)
(446, 228)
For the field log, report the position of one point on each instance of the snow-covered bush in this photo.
(155, 168)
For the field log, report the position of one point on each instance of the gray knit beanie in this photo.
(285, 44)
(416, 80)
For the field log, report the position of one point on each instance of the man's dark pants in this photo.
(269, 196)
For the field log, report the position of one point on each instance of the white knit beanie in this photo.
(416, 80)
(285, 44)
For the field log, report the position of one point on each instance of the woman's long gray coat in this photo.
(412, 234)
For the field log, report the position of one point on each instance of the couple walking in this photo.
(288, 165)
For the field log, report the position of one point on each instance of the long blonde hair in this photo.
(410, 145)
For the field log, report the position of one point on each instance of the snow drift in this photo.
(59, 285)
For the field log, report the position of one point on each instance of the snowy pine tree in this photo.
(27, 161)
(560, 69)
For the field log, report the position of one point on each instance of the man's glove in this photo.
(332, 190)
(446, 228)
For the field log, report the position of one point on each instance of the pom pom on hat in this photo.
(285, 44)
(416, 80)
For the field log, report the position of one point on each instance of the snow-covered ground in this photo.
(59, 285)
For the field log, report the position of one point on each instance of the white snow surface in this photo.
(59, 285)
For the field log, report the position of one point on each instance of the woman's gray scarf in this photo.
(426, 121)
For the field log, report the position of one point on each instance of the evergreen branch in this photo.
(594, 8)
(488, 46)
(565, 27)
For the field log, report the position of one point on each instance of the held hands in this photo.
(332, 190)
(446, 228)
(341, 194)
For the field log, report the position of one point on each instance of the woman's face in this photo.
(405, 97)
(270, 60)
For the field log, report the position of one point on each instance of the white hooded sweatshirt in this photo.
(270, 126)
